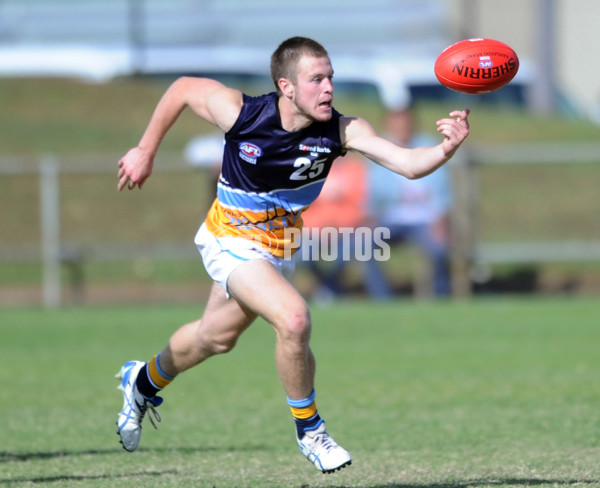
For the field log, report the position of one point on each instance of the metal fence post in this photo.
(462, 224)
(50, 231)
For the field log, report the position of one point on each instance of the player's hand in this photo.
(134, 169)
(455, 130)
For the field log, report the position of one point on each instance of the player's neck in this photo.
(291, 118)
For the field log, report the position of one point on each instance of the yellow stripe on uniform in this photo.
(306, 412)
(225, 222)
(158, 379)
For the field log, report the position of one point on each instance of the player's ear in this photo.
(286, 87)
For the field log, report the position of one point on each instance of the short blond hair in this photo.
(285, 58)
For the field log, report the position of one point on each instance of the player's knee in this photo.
(296, 326)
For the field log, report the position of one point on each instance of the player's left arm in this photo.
(359, 135)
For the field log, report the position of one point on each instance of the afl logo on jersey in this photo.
(249, 152)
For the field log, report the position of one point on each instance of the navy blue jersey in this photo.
(269, 175)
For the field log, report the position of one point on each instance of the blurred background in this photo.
(79, 80)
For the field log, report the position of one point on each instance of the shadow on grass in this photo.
(10, 457)
(483, 482)
(83, 477)
(31, 456)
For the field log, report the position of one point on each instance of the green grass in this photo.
(41, 116)
(500, 393)
(516, 203)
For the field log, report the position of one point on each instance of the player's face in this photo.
(314, 88)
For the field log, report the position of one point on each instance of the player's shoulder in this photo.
(355, 123)
(352, 128)
(261, 106)
(260, 101)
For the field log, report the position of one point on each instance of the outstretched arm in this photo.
(208, 98)
(360, 136)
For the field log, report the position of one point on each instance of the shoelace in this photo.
(153, 416)
(324, 440)
(149, 405)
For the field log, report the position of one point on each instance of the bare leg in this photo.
(257, 288)
(216, 332)
(264, 291)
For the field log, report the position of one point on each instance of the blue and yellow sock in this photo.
(152, 378)
(305, 414)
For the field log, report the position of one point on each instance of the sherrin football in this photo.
(476, 66)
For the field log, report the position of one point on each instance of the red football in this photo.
(476, 66)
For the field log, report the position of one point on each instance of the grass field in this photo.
(59, 116)
(489, 393)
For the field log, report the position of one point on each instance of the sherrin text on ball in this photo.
(476, 66)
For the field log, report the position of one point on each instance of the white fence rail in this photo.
(542, 251)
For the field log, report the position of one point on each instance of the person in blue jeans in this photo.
(415, 211)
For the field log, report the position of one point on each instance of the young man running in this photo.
(278, 150)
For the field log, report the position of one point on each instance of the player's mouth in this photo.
(325, 105)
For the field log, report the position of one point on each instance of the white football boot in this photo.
(321, 450)
(135, 405)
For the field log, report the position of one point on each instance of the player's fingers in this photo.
(446, 124)
(133, 183)
(452, 130)
(446, 132)
(460, 115)
(121, 175)
(123, 180)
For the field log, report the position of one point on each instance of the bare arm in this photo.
(360, 136)
(208, 98)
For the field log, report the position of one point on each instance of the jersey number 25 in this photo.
(307, 169)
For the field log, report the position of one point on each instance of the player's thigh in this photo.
(225, 317)
(263, 289)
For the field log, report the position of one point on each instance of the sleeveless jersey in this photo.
(270, 176)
